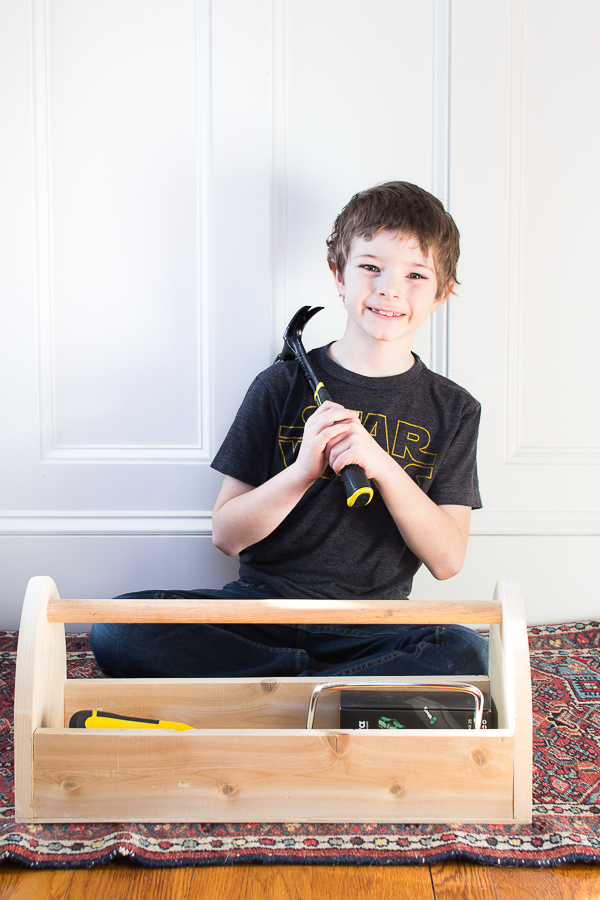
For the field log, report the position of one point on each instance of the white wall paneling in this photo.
(118, 371)
(122, 213)
(554, 193)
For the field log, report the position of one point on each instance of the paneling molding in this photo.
(516, 451)
(50, 451)
(106, 522)
(279, 211)
(536, 523)
(440, 155)
(540, 523)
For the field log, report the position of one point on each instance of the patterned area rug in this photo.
(566, 823)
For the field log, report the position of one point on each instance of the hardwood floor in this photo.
(447, 881)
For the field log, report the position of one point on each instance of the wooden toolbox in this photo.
(250, 757)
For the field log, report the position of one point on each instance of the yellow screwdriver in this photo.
(94, 718)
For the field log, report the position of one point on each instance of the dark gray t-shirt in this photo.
(323, 548)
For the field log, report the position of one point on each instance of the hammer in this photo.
(358, 489)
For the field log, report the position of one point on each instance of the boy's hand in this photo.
(329, 423)
(355, 446)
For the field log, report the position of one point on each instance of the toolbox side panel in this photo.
(272, 776)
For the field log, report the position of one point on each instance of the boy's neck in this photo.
(375, 359)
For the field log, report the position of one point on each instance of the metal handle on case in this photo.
(406, 685)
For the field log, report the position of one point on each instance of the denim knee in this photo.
(469, 648)
(105, 642)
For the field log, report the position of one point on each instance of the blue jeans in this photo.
(242, 651)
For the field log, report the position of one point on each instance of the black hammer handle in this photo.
(358, 488)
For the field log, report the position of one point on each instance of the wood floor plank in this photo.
(578, 882)
(283, 883)
(107, 882)
(339, 883)
(6, 876)
(220, 882)
(574, 882)
(17, 883)
(462, 881)
(161, 884)
(401, 883)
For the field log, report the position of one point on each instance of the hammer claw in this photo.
(292, 336)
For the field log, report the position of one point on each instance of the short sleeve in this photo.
(246, 453)
(455, 481)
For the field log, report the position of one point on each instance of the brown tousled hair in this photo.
(403, 208)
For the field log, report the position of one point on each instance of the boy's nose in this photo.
(388, 290)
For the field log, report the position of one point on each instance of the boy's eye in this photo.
(416, 275)
(369, 267)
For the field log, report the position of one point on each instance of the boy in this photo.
(282, 506)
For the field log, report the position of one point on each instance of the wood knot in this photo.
(68, 785)
(479, 758)
(227, 789)
(396, 788)
(338, 743)
(268, 685)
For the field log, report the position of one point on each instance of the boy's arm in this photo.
(244, 514)
(437, 535)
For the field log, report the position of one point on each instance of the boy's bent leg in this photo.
(418, 650)
(188, 651)
(195, 651)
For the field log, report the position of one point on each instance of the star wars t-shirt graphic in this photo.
(409, 446)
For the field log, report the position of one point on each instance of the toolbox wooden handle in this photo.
(297, 612)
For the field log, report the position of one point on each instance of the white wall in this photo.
(169, 174)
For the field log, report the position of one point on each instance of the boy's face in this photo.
(389, 287)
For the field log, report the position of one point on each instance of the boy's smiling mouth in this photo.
(387, 313)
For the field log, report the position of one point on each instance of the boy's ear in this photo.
(339, 281)
(445, 294)
(442, 298)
